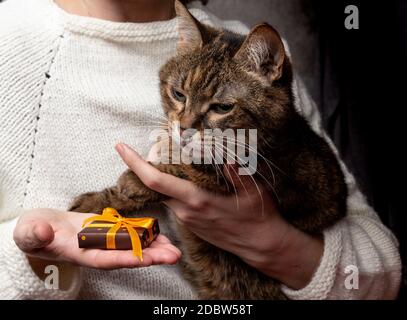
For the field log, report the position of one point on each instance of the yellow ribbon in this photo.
(111, 215)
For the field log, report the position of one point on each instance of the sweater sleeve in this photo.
(19, 281)
(360, 258)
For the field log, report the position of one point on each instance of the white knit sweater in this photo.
(70, 88)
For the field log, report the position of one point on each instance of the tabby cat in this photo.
(220, 79)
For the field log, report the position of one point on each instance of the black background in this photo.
(364, 97)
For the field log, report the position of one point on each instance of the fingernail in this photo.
(120, 148)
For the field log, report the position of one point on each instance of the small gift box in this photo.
(112, 231)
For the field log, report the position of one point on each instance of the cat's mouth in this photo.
(193, 143)
(211, 146)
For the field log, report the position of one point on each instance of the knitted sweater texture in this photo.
(72, 87)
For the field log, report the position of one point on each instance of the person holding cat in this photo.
(78, 76)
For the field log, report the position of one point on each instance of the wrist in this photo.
(294, 260)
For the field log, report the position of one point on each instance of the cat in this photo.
(250, 77)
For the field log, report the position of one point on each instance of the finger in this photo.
(156, 180)
(202, 219)
(117, 259)
(161, 255)
(242, 183)
(167, 246)
(33, 236)
(162, 239)
(192, 216)
(159, 252)
(111, 259)
(178, 208)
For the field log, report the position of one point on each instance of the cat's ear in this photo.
(190, 36)
(263, 51)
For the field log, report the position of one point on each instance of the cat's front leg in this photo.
(95, 202)
(129, 195)
(130, 186)
(90, 202)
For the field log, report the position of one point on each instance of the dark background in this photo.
(356, 77)
(363, 100)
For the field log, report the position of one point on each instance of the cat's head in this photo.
(219, 79)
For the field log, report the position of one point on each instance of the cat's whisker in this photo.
(264, 158)
(156, 116)
(155, 113)
(241, 182)
(234, 187)
(153, 126)
(217, 145)
(273, 164)
(265, 179)
(221, 170)
(224, 177)
(261, 175)
(267, 143)
(217, 166)
(164, 124)
(214, 165)
(244, 187)
(268, 162)
(261, 155)
(257, 187)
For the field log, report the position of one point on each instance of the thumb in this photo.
(36, 235)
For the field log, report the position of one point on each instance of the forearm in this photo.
(357, 258)
(295, 262)
(360, 261)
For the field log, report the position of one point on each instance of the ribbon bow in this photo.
(111, 215)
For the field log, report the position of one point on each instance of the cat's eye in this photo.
(221, 108)
(178, 96)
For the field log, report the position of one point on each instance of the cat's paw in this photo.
(130, 187)
(91, 202)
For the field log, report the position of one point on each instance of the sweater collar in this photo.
(123, 31)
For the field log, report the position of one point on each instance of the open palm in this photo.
(52, 235)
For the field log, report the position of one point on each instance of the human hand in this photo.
(246, 224)
(48, 234)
